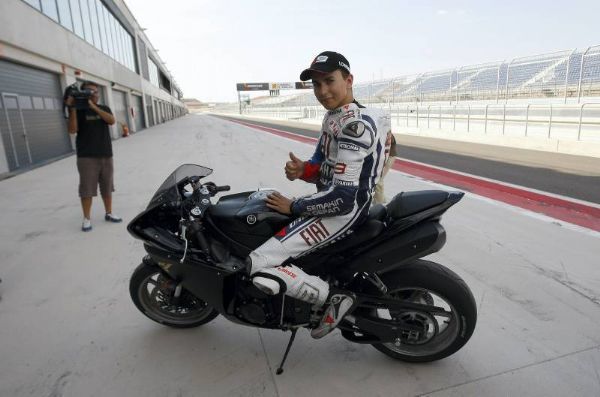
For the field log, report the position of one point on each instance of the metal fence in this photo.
(565, 122)
(570, 122)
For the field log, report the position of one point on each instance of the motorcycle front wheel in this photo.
(154, 293)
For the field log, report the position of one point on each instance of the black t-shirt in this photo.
(93, 136)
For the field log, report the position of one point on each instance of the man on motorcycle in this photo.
(346, 166)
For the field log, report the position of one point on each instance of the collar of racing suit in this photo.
(345, 107)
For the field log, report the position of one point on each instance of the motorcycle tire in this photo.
(429, 283)
(152, 292)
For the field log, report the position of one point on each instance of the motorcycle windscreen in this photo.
(168, 191)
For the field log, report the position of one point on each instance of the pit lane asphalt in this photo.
(68, 326)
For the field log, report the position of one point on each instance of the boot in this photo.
(337, 306)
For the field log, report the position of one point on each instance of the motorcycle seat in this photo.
(408, 203)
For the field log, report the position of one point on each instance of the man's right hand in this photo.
(294, 168)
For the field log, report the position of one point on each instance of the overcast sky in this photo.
(209, 45)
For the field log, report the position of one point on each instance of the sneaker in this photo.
(339, 306)
(112, 218)
(86, 226)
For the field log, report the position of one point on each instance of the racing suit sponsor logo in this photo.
(330, 207)
(340, 168)
(335, 111)
(286, 271)
(349, 115)
(326, 171)
(341, 237)
(349, 146)
(292, 228)
(334, 127)
(342, 182)
(316, 232)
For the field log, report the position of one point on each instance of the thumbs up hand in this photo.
(294, 168)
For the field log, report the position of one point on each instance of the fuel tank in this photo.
(243, 221)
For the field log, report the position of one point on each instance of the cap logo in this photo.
(342, 64)
(321, 58)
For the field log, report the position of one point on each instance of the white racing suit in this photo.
(346, 166)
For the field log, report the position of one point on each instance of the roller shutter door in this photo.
(32, 125)
(138, 111)
(150, 111)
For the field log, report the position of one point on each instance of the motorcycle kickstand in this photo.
(287, 350)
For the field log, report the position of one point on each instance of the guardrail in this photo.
(579, 122)
(572, 122)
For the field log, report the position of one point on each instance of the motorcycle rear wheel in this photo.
(429, 283)
(152, 292)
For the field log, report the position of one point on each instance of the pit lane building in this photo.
(46, 45)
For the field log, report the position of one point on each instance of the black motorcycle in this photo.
(408, 308)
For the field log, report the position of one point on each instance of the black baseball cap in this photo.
(326, 62)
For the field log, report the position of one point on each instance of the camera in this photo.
(81, 96)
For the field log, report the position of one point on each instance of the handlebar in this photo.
(223, 188)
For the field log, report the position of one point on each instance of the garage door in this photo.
(150, 110)
(32, 125)
(138, 112)
(120, 109)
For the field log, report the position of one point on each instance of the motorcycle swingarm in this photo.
(375, 330)
(374, 302)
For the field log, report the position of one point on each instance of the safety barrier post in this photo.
(468, 118)
(580, 119)
(428, 110)
(417, 116)
(454, 122)
(504, 119)
(550, 122)
(486, 119)
(527, 118)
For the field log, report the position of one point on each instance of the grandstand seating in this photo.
(541, 76)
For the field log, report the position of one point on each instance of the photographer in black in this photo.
(90, 122)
